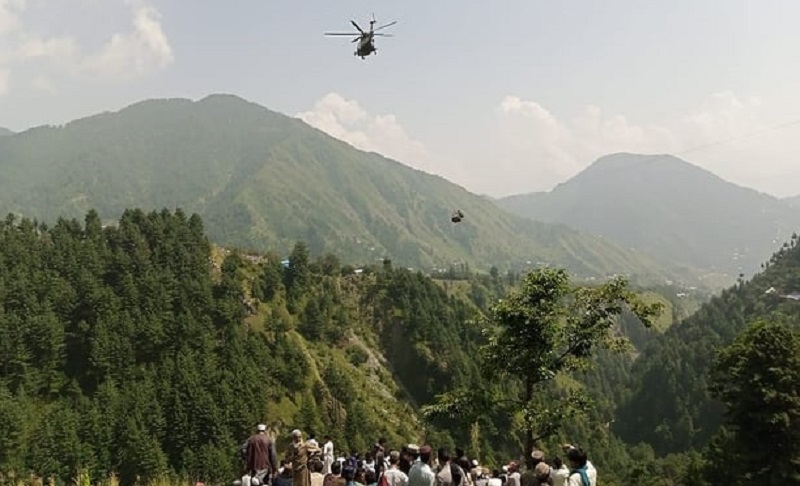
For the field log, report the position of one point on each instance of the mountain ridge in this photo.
(673, 209)
(263, 180)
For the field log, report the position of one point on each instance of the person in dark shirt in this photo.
(261, 456)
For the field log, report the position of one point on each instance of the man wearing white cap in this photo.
(298, 454)
(261, 456)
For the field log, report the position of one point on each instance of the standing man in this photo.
(327, 454)
(261, 457)
(394, 476)
(298, 454)
(513, 474)
(421, 473)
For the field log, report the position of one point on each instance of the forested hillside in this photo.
(670, 406)
(122, 349)
(667, 207)
(262, 180)
(141, 349)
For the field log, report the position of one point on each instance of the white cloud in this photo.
(125, 55)
(533, 149)
(136, 53)
(57, 48)
(347, 120)
(9, 15)
(539, 150)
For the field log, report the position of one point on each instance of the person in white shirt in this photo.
(580, 474)
(513, 474)
(394, 476)
(495, 479)
(421, 473)
(559, 473)
(327, 455)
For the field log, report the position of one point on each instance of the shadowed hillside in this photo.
(670, 406)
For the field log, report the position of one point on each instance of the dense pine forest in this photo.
(141, 349)
(670, 406)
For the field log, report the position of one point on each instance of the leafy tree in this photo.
(544, 329)
(758, 379)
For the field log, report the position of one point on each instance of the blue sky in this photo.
(500, 97)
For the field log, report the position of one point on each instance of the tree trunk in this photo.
(528, 427)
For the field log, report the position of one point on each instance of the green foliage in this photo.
(262, 180)
(543, 330)
(138, 349)
(669, 405)
(757, 378)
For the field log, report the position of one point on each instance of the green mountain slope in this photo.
(793, 201)
(5, 132)
(670, 406)
(263, 180)
(139, 349)
(669, 208)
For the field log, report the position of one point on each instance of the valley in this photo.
(173, 272)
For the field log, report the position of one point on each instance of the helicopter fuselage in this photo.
(366, 46)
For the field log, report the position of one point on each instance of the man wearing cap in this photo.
(261, 457)
(542, 473)
(408, 456)
(298, 455)
(421, 473)
(529, 477)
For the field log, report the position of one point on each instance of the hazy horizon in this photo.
(499, 100)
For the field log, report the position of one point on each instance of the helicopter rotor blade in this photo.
(342, 33)
(387, 25)
(357, 27)
(384, 35)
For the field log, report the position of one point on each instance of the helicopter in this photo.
(366, 40)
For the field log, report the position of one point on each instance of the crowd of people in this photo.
(307, 463)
